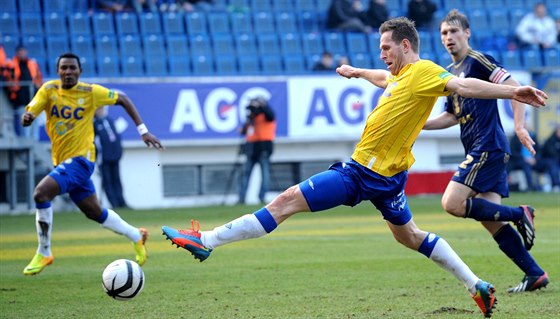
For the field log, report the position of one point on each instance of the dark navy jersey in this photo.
(481, 128)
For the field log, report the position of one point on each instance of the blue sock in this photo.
(266, 219)
(511, 244)
(483, 210)
(103, 216)
(42, 205)
(428, 244)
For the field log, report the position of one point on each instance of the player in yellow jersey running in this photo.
(378, 169)
(70, 107)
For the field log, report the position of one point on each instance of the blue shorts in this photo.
(74, 177)
(484, 172)
(349, 183)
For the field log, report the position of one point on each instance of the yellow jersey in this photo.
(70, 116)
(402, 110)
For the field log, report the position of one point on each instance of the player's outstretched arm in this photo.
(444, 120)
(148, 138)
(475, 88)
(375, 77)
(519, 121)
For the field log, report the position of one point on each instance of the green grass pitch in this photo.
(342, 263)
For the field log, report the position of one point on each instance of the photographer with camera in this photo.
(260, 132)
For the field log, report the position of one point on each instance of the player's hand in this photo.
(347, 71)
(27, 118)
(525, 139)
(152, 141)
(531, 96)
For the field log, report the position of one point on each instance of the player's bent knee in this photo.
(453, 208)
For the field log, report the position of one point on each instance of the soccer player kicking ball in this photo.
(377, 171)
(70, 106)
(476, 189)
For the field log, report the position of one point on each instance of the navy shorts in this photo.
(74, 177)
(484, 172)
(349, 183)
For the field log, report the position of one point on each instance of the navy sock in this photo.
(483, 210)
(428, 245)
(511, 244)
(103, 217)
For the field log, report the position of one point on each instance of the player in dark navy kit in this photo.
(476, 189)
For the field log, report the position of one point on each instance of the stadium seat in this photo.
(10, 43)
(304, 5)
(58, 6)
(35, 45)
(312, 43)
(361, 60)
(311, 60)
(8, 6)
(518, 4)
(203, 65)
(177, 46)
(9, 24)
(268, 44)
(126, 23)
(55, 24)
(356, 42)
(200, 45)
(173, 23)
(374, 39)
(156, 67)
(286, 22)
(103, 23)
(240, 23)
(452, 4)
(515, 15)
(88, 66)
(283, 5)
(511, 60)
(31, 24)
(290, 43)
(478, 20)
(531, 59)
(129, 46)
(179, 65)
(56, 45)
(499, 21)
(307, 21)
(108, 66)
(444, 59)
(106, 45)
(82, 45)
(226, 65)
(154, 47)
(196, 23)
(495, 5)
(248, 64)
(218, 23)
(293, 64)
(222, 45)
(272, 64)
(474, 4)
(245, 44)
(394, 4)
(26, 6)
(263, 23)
(323, 5)
(334, 42)
(132, 66)
(150, 23)
(239, 5)
(79, 24)
(426, 42)
(261, 5)
(551, 58)
(428, 55)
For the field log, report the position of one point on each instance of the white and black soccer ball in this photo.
(123, 279)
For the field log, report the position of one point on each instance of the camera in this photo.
(255, 106)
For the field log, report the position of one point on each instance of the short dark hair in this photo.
(68, 55)
(457, 18)
(403, 28)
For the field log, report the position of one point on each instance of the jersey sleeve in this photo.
(103, 96)
(491, 69)
(39, 101)
(431, 79)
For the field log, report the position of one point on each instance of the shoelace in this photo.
(195, 228)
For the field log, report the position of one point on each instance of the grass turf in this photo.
(343, 263)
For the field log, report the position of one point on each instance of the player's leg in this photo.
(264, 162)
(247, 169)
(45, 191)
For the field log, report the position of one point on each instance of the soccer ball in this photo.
(123, 279)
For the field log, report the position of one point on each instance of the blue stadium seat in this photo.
(499, 21)
(88, 66)
(511, 60)
(106, 45)
(200, 45)
(356, 42)
(334, 42)
(82, 46)
(240, 23)
(444, 59)
(308, 21)
(374, 39)
(531, 59)
(35, 45)
(249, 64)
(10, 43)
(218, 23)
(311, 60)
(261, 5)
(304, 5)
(286, 22)
(427, 55)
(203, 65)
(474, 4)
(173, 23)
(239, 5)
(79, 24)
(126, 23)
(179, 65)
(8, 6)
(283, 5)
(9, 23)
(263, 23)
(453, 4)
(293, 64)
(108, 66)
(56, 45)
(132, 66)
(483, 39)
(177, 46)
(150, 23)
(103, 23)
(222, 45)
(154, 47)
(268, 44)
(31, 23)
(495, 5)
(196, 23)
(290, 43)
(26, 6)
(395, 4)
(55, 24)
(518, 4)
(551, 58)
(156, 67)
(129, 46)
(312, 43)
(245, 44)
(478, 20)
(426, 42)
(58, 6)
(272, 64)
(361, 60)
(515, 15)
(226, 65)
(323, 5)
